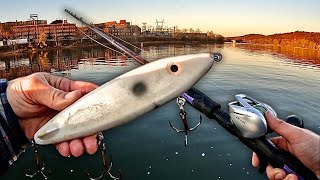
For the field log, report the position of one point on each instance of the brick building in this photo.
(23, 23)
(61, 29)
(6, 28)
(55, 31)
(123, 29)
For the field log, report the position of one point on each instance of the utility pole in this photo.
(144, 28)
(34, 18)
(162, 22)
(158, 27)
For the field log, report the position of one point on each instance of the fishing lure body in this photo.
(126, 97)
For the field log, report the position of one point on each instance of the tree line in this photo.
(301, 39)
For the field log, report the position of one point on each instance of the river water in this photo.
(286, 78)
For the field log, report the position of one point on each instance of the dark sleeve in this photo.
(12, 138)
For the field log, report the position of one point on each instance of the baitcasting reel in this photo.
(248, 115)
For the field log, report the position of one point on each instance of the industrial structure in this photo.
(39, 32)
(123, 29)
(7, 28)
(35, 30)
(59, 29)
(23, 23)
(159, 30)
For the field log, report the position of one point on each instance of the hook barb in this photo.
(103, 151)
(183, 115)
(41, 169)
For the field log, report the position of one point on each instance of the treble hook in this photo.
(183, 115)
(39, 164)
(103, 150)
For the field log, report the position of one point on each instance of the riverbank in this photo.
(277, 46)
(10, 51)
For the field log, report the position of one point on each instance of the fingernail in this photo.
(278, 176)
(71, 95)
(270, 113)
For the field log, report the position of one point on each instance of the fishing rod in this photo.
(109, 39)
(99, 42)
(256, 141)
(246, 121)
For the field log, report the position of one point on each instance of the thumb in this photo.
(282, 128)
(57, 99)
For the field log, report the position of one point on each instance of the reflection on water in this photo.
(157, 52)
(67, 59)
(294, 54)
(110, 58)
(147, 148)
(25, 64)
(58, 61)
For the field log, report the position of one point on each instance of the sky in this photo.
(225, 17)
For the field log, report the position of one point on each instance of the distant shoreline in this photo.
(297, 39)
(9, 52)
(270, 45)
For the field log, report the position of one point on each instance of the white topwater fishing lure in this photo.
(126, 97)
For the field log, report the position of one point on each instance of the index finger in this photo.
(85, 87)
(68, 85)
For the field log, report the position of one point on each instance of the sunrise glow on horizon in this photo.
(225, 17)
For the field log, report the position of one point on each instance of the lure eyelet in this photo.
(174, 68)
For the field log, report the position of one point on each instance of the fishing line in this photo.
(100, 43)
(125, 42)
(217, 87)
(295, 98)
(232, 95)
(289, 97)
(141, 60)
(134, 62)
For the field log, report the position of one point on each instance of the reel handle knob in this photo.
(293, 120)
